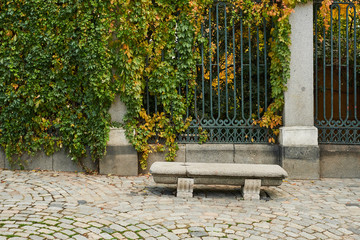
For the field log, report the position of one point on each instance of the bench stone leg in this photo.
(251, 189)
(185, 187)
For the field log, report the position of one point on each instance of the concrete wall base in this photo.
(340, 161)
(211, 153)
(59, 161)
(2, 159)
(221, 153)
(301, 162)
(160, 157)
(306, 162)
(121, 158)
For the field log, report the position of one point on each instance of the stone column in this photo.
(121, 157)
(299, 137)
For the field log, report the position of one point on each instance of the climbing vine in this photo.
(62, 63)
(154, 48)
(55, 81)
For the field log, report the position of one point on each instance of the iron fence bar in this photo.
(250, 85)
(234, 69)
(347, 63)
(339, 59)
(355, 66)
(147, 97)
(218, 60)
(226, 67)
(210, 68)
(332, 62)
(265, 62)
(258, 71)
(316, 63)
(187, 96)
(324, 72)
(242, 69)
(202, 74)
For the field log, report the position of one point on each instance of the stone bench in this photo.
(250, 176)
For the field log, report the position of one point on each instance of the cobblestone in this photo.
(56, 205)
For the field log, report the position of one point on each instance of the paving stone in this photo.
(117, 228)
(199, 234)
(307, 236)
(153, 232)
(180, 231)
(34, 237)
(130, 235)
(61, 236)
(79, 237)
(106, 236)
(135, 207)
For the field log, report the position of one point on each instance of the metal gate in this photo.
(232, 85)
(337, 73)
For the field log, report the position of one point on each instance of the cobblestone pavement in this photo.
(53, 205)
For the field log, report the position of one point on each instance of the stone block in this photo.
(257, 154)
(2, 158)
(62, 162)
(185, 187)
(301, 162)
(117, 137)
(210, 153)
(117, 110)
(120, 160)
(39, 161)
(251, 189)
(298, 136)
(339, 161)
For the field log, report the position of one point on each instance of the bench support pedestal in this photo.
(185, 187)
(251, 189)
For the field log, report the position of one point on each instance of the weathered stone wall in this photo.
(222, 153)
(59, 161)
(336, 161)
(339, 161)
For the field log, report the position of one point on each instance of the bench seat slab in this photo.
(217, 173)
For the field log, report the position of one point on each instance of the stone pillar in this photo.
(299, 136)
(121, 158)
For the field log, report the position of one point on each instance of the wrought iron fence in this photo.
(232, 85)
(337, 73)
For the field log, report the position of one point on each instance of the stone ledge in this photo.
(298, 136)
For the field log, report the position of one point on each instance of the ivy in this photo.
(154, 47)
(62, 63)
(55, 81)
